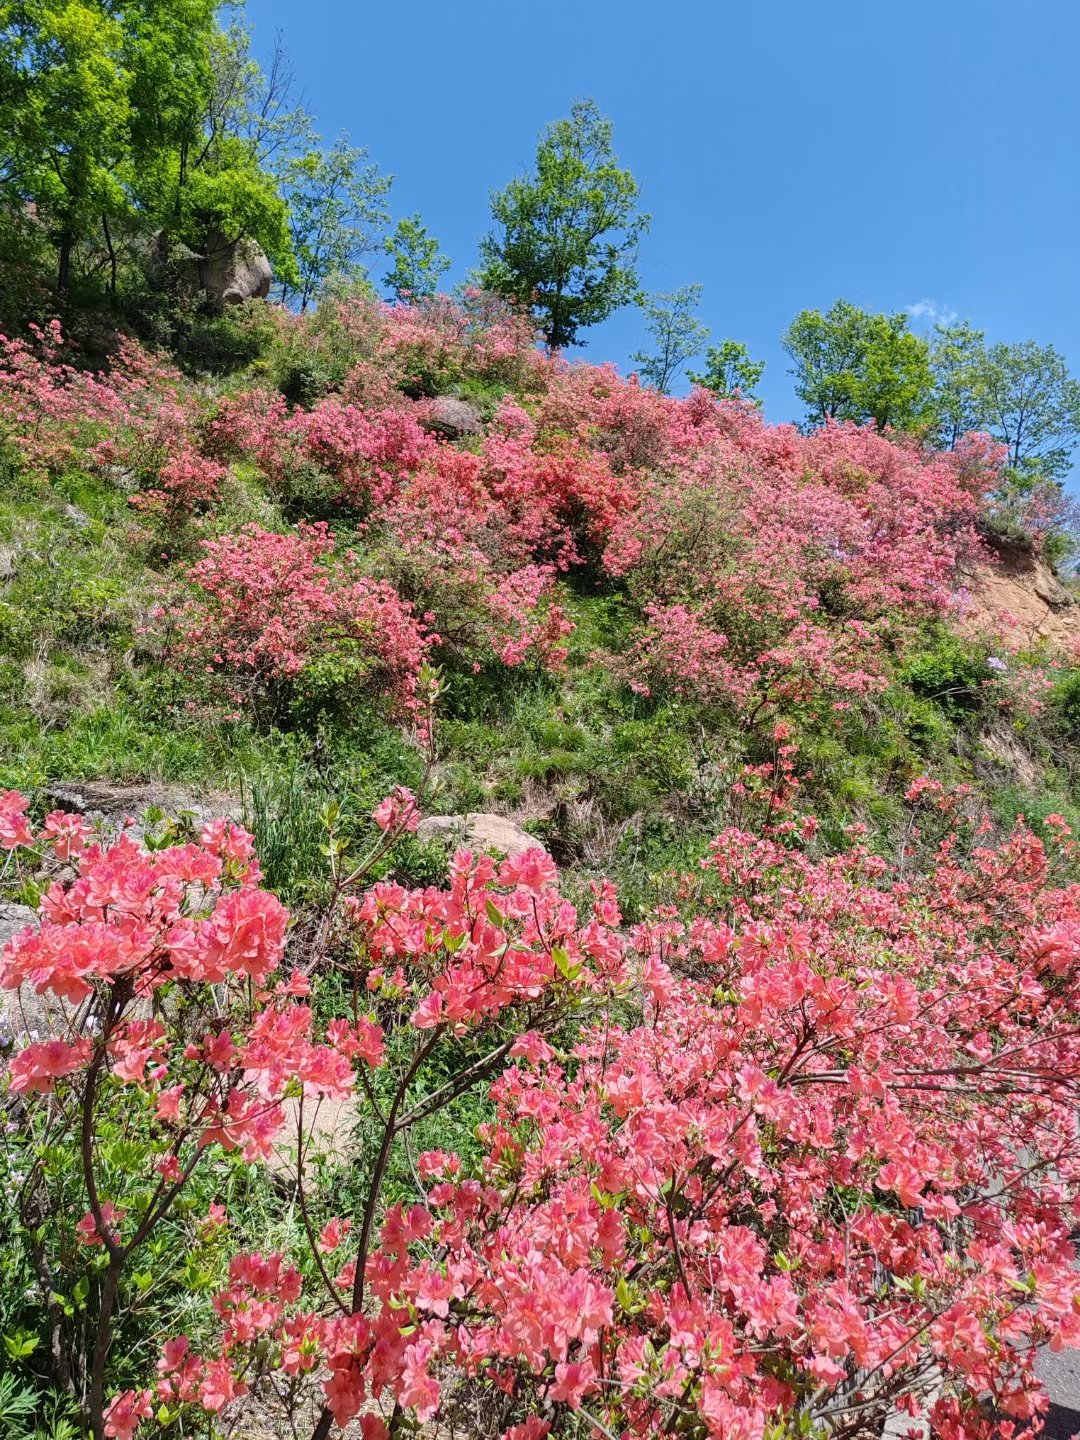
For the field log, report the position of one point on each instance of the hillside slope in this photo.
(629, 598)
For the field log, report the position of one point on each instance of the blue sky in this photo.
(895, 152)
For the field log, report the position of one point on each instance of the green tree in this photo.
(139, 115)
(1029, 402)
(852, 364)
(418, 261)
(1022, 394)
(677, 332)
(566, 235)
(336, 200)
(957, 358)
(729, 371)
(225, 176)
(66, 116)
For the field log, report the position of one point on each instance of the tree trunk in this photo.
(67, 240)
(101, 1351)
(112, 254)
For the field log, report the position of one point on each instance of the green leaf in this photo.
(21, 1344)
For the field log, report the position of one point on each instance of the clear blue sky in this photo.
(790, 151)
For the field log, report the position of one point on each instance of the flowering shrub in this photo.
(830, 1172)
(365, 456)
(136, 417)
(272, 612)
(433, 343)
(165, 959)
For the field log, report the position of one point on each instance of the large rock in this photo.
(233, 271)
(328, 1132)
(24, 1011)
(480, 830)
(104, 801)
(453, 418)
(228, 271)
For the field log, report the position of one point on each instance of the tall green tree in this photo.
(957, 359)
(853, 364)
(729, 371)
(1030, 403)
(65, 111)
(677, 333)
(1022, 394)
(418, 262)
(566, 236)
(336, 200)
(139, 115)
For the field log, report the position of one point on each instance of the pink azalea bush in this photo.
(830, 1168)
(831, 1172)
(770, 568)
(137, 418)
(267, 608)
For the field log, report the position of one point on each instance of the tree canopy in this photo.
(852, 364)
(677, 334)
(418, 262)
(566, 235)
(729, 371)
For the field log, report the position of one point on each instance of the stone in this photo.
(231, 272)
(449, 416)
(77, 518)
(328, 1129)
(104, 800)
(1049, 588)
(480, 830)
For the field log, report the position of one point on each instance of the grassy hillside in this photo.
(618, 760)
(379, 552)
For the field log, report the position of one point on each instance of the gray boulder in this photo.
(109, 804)
(24, 1011)
(233, 271)
(454, 418)
(227, 271)
(481, 831)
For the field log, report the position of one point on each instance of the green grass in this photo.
(615, 782)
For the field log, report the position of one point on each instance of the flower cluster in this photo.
(267, 607)
(136, 419)
(834, 1168)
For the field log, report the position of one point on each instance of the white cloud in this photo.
(929, 312)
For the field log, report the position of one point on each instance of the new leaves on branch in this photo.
(566, 236)
(418, 265)
(677, 333)
(851, 364)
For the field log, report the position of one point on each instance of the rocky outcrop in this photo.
(483, 831)
(454, 418)
(231, 272)
(228, 272)
(1019, 588)
(109, 803)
